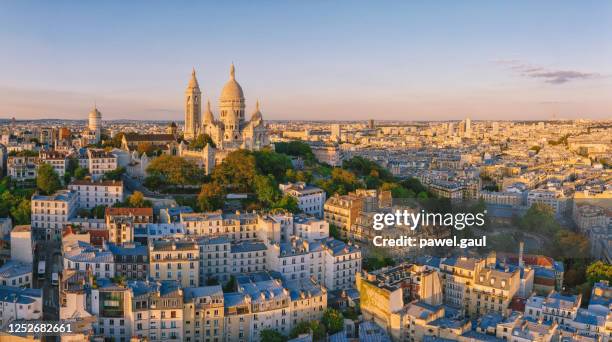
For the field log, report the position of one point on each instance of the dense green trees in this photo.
(367, 168)
(296, 149)
(248, 172)
(271, 163)
(175, 170)
(270, 335)
(237, 172)
(115, 174)
(201, 141)
(47, 179)
(211, 197)
(598, 271)
(15, 202)
(315, 327)
(333, 320)
(341, 182)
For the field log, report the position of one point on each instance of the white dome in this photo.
(232, 90)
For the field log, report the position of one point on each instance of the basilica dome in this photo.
(232, 90)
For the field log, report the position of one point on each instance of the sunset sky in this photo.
(409, 60)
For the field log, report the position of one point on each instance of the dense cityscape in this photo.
(227, 227)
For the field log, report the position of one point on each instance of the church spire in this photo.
(208, 115)
(193, 82)
(232, 71)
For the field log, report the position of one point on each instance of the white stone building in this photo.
(51, 213)
(310, 198)
(94, 193)
(100, 162)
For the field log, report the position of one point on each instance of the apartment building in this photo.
(19, 304)
(310, 228)
(177, 260)
(297, 259)
(342, 263)
(400, 298)
(51, 213)
(94, 193)
(204, 314)
(131, 260)
(555, 199)
(311, 199)
(81, 256)
(113, 305)
(157, 310)
(100, 162)
(21, 168)
(58, 160)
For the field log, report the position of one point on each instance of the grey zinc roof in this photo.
(14, 269)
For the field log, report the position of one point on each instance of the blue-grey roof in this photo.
(134, 250)
(234, 299)
(163, 287)
(61, 195)
(204, 291)
(248, 246)
(19, 295)
(216, 240)
(13, 269)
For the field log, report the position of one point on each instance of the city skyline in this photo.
(411, 61)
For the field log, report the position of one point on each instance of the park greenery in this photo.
(47, 180)
(15, 201)
(172, 170)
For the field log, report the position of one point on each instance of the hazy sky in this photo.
(309, 59)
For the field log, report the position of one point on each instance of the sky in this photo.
(309, 60)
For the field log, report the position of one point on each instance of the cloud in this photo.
(551, 76)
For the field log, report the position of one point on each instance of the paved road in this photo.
(51, 253)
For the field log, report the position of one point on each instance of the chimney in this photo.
(520, 260)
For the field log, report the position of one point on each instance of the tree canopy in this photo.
(201, 141)
(47, 180)
(175, 170)
(598, 271)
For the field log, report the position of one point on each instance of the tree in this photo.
(599, 271)
(47, 179)
(175, 170)
(288, 203)
(22, 212)
(136, 200)
(315, 327)
(295, 148)
(570, 245)
(333, 320)
(201, 141)
(270, 335)
(146, 147)
(266, 189)
(269, 162)
(365, 167)
(115, 174)
(211, 197)
(539, 218)
(231, 285)
(80, 173)
(236, 172)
